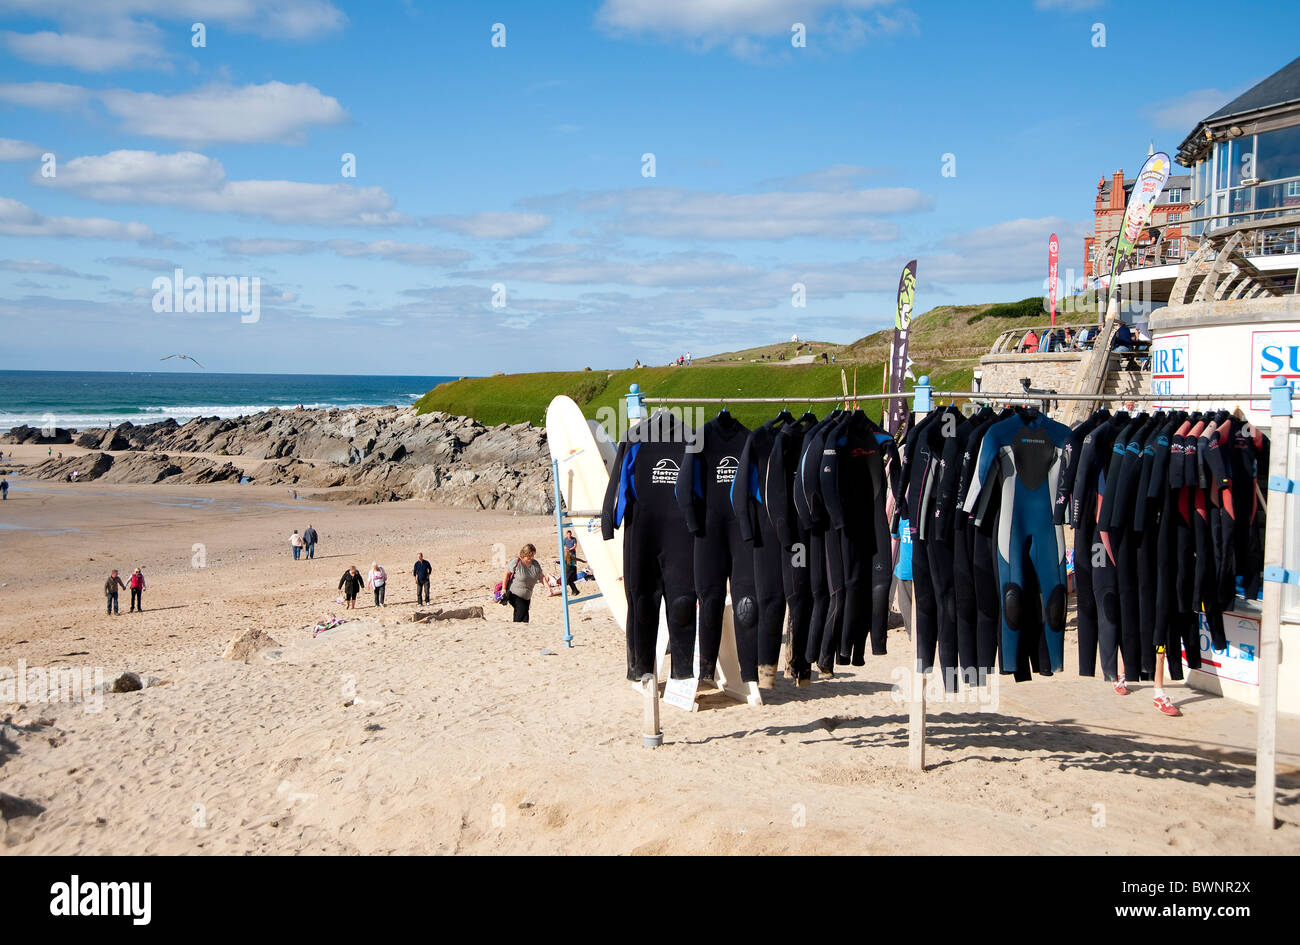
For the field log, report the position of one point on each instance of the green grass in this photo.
(946, 345)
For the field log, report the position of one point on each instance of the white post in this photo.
(916, 724)
(1270, 625)
(651, 737)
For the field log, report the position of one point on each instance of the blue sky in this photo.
(520, 166)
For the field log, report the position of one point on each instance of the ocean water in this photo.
(81, 399)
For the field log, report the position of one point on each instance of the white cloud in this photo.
(124, 43)
(18, 219)
(1183, 112)
(705, 24)
(277, 19)
(411, 254)
(197, 182)
(43, 268)
(492, 225)
(150, 263)
(835, 177)
(1007, 252)
(12, 150)
(674, 269)
(44, 94)
(679, 213)
(271, 112)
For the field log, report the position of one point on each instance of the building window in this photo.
(1176, 195)
(1293, 188)
(1174, 250)
(1175, 217)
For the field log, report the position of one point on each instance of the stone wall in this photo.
(1059, 372)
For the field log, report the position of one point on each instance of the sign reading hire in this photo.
(1169, 361)
(1273, 354)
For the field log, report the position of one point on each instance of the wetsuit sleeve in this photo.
(688, 475)
(796, 485)
(946, 501)
(1062, 511)
(615, 504)
(743, 488)
(778, 492)
(828, 478)
(983, 464)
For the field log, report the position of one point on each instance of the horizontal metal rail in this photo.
(957, 395)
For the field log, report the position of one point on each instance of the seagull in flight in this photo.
(183, 357)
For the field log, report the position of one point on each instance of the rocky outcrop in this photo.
(41, 435)
(375, 454)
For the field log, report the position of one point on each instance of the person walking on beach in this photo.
(350, 585)
(520, 580)
(110, 591)
(295, 542)
(422, 571)
(309, 539)
(137, 591)
(377, 579)
(571, 562)
(4, 489)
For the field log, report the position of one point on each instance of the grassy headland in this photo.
(946, 344)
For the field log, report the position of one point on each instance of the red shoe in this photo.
(1120, 688)
(1166, 707)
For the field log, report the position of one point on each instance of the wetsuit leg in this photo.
(821, 598)
(795, 575)
(712, 557)
(857, 598)
(941, 553)
(744, 603)
(658, 571)
(988, 607)
(882, 581)
(769, 585)
(1148, 594)
(963, 582)
(1047, 553)
(1106, 590)
(1128, 589)
(926, 612)
(1085, 606)
(830, 638)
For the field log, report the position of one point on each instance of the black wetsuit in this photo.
(721, 556)
(793, 538)
(657, 547)
(748, 499)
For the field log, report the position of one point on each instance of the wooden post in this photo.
(916, 724)
(651, 737)
(1275, 574)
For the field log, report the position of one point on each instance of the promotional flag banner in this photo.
(1146, 190)
(899, 363)
(1053, 259)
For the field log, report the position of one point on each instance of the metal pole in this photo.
(921, 405)
(559, 538)
(1275, 575)
(651, 736)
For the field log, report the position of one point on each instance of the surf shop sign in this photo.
(1274, 354)
(1169, 361)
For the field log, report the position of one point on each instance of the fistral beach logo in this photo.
(103, 899)
(665, 472)
(727, 469)
(181, 293)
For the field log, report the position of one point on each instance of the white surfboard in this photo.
(608, 448)
(584, 476)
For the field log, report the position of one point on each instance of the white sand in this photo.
(462, 737)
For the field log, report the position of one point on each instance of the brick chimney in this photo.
(1117, 190)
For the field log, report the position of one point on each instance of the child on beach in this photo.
(350, 585)
(377, 579)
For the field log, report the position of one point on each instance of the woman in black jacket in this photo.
(350, 584)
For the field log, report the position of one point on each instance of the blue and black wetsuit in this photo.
(1027, 450)
(657, 547)
(749, 499)
(721, 556)
(796, 573)
(812, 517)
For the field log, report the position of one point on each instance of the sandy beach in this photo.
(465, 737)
